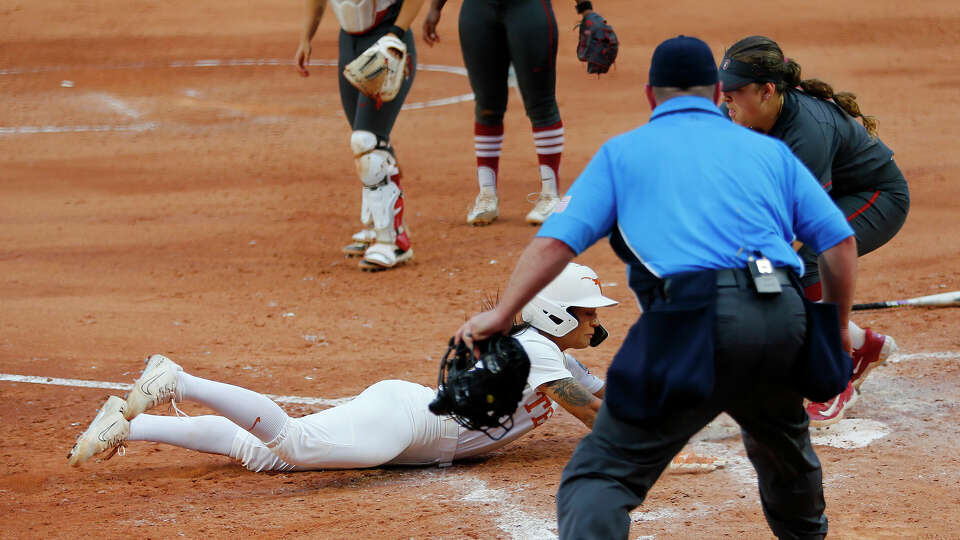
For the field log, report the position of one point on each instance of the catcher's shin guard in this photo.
(382, 200)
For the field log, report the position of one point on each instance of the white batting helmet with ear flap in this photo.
(576, 286)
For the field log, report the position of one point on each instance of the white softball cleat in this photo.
(543, 207)
(359, 243)
(380, 256)
(485, 208)
(157, 385)
(108, 431)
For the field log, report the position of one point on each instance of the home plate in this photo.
(849, 433)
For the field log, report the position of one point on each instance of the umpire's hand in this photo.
(483, 325)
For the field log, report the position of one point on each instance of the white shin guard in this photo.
(376, 167)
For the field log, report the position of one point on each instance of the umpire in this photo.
(705, 229)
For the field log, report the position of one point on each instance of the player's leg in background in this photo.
(483, 43)
(876, 217)
(385, 242)
(532, 35)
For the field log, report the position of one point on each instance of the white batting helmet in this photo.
(576, 286)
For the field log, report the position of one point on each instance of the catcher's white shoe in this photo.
(359, 243)
(543, 207)
(380, 256)
(108, 431)
(157, 385)
(485, 208)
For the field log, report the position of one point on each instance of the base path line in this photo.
(80, 383)
(933, 355)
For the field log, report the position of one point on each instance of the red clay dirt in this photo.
(161, 205)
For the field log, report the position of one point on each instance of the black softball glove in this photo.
(482, 392)
(598, 43)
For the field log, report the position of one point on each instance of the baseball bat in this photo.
(942, 299)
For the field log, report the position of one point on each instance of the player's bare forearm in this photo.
(408, 12)
(542, 261)
(601, 392)
(313, 11)
(838, 276)
(437, 4)
(574, 398)
(838, 271)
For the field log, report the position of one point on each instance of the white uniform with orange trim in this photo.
(359, 16)
(389, 423)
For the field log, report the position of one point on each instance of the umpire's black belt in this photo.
(740, 277)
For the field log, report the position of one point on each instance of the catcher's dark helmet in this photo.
(482, 392)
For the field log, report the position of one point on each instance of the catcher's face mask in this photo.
(482, 392)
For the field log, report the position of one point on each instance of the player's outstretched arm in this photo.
(313, 11)
(574, 398)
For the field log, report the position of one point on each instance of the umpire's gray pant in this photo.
(757, 341)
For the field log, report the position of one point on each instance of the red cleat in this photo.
(831, 412)
(875, 351)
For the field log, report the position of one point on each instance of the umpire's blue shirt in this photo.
(691, 191)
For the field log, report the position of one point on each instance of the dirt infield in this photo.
(168, 184)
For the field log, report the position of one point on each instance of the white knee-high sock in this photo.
(857, 335)
(250, 410)
(210, 434)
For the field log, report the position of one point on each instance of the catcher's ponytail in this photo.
(765, 52)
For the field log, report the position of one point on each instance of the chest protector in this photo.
(359, 16)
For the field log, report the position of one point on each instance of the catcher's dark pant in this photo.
(757, 340)
(494, 33)
(361, 111)
(875, 216)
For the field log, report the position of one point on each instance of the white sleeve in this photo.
(546, 363)
(588, 380)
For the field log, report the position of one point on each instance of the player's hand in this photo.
(302, 60)
(430, 27)
(483, 325)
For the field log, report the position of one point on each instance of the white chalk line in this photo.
(117, 105)
(944, 355)
(32, 130)
(122, 108)
(81, 383)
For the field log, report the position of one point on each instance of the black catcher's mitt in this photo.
(598, 43)
(482, 392)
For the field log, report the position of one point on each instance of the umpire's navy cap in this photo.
(682, 62)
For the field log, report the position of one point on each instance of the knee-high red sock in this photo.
(487, 143)
(549, 142)
(814, 292)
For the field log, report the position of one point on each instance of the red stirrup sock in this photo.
(549, 142)
(487, 143)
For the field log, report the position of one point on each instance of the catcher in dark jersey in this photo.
(763, 90)
(493, 35)
(384, 242)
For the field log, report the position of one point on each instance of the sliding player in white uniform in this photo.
(387, 424)
(365, 24)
